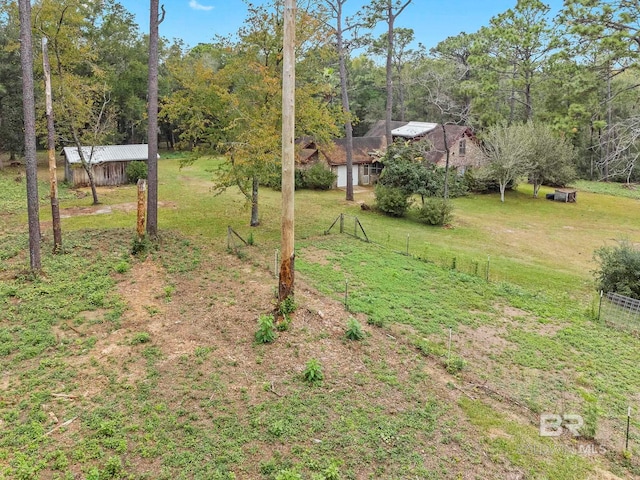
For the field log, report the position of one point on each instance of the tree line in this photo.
(575, 74)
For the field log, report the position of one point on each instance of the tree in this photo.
(84, 111)
(29, 114)
(551, 157)
(618, 269)
(388, 10)
(152, 160)
(403, 37)
(507, 151)
(237, 111)
(622, 149)
(342, 46)
(608, 41)
(11, 119)
(511, 53)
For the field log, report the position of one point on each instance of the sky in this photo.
(198, 21)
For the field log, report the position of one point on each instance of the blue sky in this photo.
(196, 21)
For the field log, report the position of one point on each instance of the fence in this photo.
(620, 311)
(351, 225)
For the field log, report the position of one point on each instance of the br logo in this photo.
(553, 425)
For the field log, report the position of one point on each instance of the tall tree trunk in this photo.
(51, 145)
(255, 218)
(86, 164)
(503, 186)
(152, 159)
(29, 110)
(348, 126)
(287, 264)
(389, 107)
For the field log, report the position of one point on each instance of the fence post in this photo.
(276, 264)
(626, 443)
(342, 223)
(488, 266)
(346, 294)
(600, 304)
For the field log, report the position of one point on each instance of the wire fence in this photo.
(620, 311)
(479, 267)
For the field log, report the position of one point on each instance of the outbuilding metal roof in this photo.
(413, 129)
(108, 153)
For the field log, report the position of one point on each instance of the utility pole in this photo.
(287, 264)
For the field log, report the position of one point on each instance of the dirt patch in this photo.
(107, 209)
(316, 255)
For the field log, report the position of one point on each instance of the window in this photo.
(462, 150)
(376, 168)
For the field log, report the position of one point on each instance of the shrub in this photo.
(619, 269)
(266, 330)
(288, 475)
(319, 178)
(436, 211)
(391, 200)
(313, 372)
(354, 330)
(135, 171)
(454, 364)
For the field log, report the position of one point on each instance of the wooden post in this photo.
(142, 187)
(286, 277)
(51, 145)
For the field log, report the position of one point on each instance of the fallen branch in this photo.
(64, 395)
(64, 424)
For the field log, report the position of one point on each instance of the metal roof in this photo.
(413, 129)
(108, 153)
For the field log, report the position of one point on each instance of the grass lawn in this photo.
(121, 366)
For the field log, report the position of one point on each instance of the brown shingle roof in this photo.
(436, 137)
(363, 149)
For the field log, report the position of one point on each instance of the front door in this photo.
(366, 174)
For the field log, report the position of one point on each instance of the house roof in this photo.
(436, 137)
(363, 150)
(379, 128)
(413, 129)
(108, 153)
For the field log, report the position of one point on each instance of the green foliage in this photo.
(266, 329)
(140, 337)
(454, 364)
(288, 475)
(392, 201)
(136, 171)
(287, 306)
(319, 178)
(312, 373)
(354, 330)
(436, 211)
(122, 266)
(590, 416)
(618, 269)
(140, 247)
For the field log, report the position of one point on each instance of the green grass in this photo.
(185, 416)
(609, 188)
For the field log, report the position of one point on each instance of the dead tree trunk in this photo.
(51, 145)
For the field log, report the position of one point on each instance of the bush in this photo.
(274, 179)
(391, 200)
(313, 372)
(354, 330)
(436, 211)
(266, 329)
(135, 171)
(319, 178)
(619, 269)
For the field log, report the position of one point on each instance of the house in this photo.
(108, 162)
(464, 150)
(366, 151)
